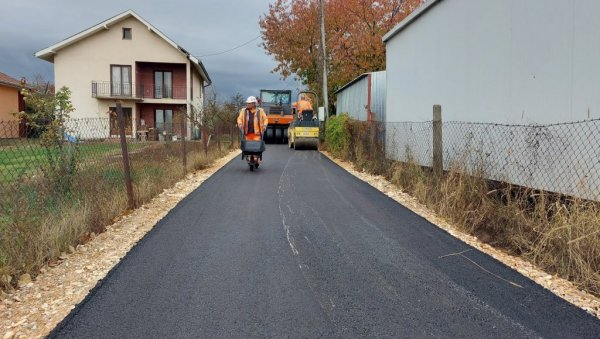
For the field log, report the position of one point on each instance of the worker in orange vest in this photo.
(303, 105)
(252, 120)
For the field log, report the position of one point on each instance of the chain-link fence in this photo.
(87, 153)
(59, 181)
(560, 158)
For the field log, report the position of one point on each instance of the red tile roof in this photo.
(7, 80)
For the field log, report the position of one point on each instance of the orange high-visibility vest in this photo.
(260, 122)
(304, 105)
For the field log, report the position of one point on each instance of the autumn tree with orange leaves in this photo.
(353, 28)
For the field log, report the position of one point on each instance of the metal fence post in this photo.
(183, 150)
(125, 153)
(438, 160)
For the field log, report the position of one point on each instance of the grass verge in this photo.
(39, 222)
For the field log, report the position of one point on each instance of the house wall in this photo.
(77, 65)
(9, 103)
(197, 90)
(505, 61)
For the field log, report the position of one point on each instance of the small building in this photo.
(126, 58)
(364, 97)
(11, 101)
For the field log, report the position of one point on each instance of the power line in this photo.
(231, 49)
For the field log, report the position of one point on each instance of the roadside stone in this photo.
(25, 279)
(63, 256)
(71, 249)
(9, 335)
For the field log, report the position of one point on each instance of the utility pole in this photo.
(324, 56)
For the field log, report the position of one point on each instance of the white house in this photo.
(126, 58)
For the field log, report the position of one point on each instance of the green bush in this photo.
(337, 134)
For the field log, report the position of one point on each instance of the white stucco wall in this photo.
(509, 62)
(506, 61)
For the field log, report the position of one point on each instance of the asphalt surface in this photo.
(300, 248)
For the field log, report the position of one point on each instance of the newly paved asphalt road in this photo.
(300, 248)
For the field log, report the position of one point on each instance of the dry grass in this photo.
(39, 224)
(559, 234)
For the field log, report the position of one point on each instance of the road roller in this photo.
(303, 132)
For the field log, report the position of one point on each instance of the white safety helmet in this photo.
(251, 100)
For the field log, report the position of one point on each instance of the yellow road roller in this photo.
(303, 132)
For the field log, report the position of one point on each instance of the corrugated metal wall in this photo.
(354, 99)
(378, 93)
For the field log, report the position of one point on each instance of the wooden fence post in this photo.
(125, 154)
(438, 153)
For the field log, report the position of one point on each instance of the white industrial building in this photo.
(533, 62)
(504, 61)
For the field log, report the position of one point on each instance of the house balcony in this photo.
(142, 92)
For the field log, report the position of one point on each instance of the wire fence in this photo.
(84, 159)
(560, 158)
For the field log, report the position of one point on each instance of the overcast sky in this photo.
(200, 26)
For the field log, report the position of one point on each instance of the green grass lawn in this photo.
(27, 157)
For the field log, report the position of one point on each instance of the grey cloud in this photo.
(201, 27)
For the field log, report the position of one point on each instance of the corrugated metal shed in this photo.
(364, 97)
(378, 95)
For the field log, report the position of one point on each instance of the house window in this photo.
(163, 85)
(126, 33)
(120, 80)
(163, 120)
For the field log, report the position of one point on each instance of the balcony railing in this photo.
(162, 92)
(107, 89)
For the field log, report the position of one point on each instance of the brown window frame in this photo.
(121, 91)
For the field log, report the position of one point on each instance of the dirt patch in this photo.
(35, 309)
(561, 287)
